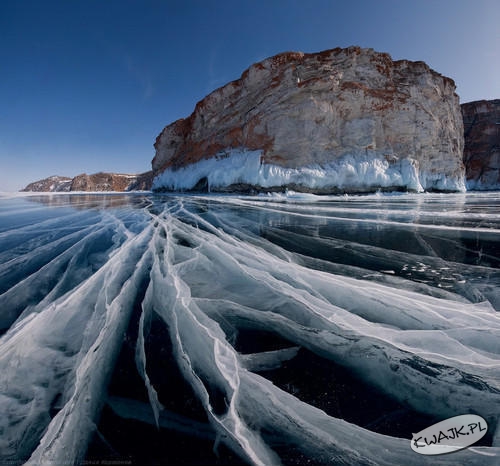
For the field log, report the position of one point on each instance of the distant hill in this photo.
(95, 182)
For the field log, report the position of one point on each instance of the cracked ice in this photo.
(247, 323)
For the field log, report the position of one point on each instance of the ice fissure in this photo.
(209, 275)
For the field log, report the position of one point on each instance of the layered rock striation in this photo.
(482, 144)
(343, 120)
(95, 182)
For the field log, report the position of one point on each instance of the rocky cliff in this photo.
(482, 144)
(342, 120)
(94, 182)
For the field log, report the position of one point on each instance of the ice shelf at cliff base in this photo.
(343, 120)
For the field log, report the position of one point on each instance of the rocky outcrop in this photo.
(109, 182)
(482, 144)
(51, 184)
(340, 120)
(95, 182)
(141, 182)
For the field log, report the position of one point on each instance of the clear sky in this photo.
(86, 85)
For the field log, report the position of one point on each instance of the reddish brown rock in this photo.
(482, 144)
(314, 110)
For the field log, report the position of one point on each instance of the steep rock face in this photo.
(141, 182)
(94, 182)
(353, 118)
(482, 144)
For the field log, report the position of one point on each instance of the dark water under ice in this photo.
(281, 329)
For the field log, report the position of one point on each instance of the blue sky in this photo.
(86, 85)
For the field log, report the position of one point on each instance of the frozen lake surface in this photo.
(274, 329)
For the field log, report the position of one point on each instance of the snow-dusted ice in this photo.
(271, 329)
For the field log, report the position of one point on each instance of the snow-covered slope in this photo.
(51, 184)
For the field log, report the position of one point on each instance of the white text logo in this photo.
(449, 435)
